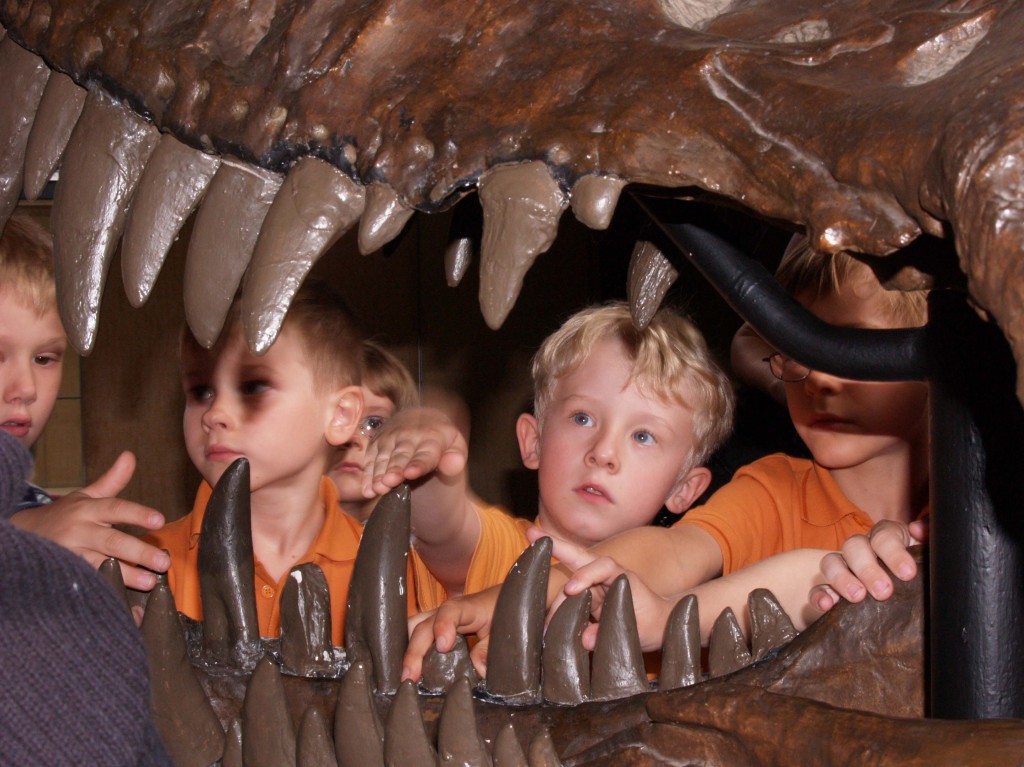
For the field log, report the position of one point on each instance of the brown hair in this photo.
(670, 358)
(805, 270)
(26, 263)
(386, 376)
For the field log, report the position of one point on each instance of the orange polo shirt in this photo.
(333, 549)
(778, 503)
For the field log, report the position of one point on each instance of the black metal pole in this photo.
(977, 517)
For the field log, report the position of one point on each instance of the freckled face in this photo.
(265, 408)
(31, 352)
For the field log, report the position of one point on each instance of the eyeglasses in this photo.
(370, 425)
(786, 368)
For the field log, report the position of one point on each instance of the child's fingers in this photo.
(421, 639)
(600, 572)
(823, 597)
(890, 544)
(572, 555)
(838, 575)
(137, 578)
(114, 479)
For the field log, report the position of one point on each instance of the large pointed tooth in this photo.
(770, 627)
(59, 110)
(384, 218)
(680, 654)
(458, 736)
(101, 168)
(443, 669)
(181, 711)
(227, 579)
(268, 735)
(358, 733)
(224, 234)
(110, 569)
(233, 745)
(651, 275)
(594, 198)
(618, 666)
(566, 662)
(508, 752)
(727, 647)
(376, 621)
(542, 751)
(522, 205)
(405, 739)
(315, 206)
(517, 629)
(306, 648)
(171, 186)
(315, 746)
(464, 237)
(25, 76)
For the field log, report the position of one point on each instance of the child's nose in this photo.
(20, 385)
(216, 415)
(603, 454)
(822, 383)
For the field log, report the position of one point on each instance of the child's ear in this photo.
(528, 433)
(346, 412)
(688, 489)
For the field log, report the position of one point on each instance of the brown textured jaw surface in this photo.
(863, 123)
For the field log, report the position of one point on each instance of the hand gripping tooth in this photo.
(517, 629)
(224, 234)
(522, 205)
(268, 735)
(405, 739)
(59, 110)
(594, 197)
(566, 663)
(25, 76)
(99, 173)
(618, 664)
(315, 747)
(315, 206)
(458, 735)
(651, 275)
(727, 647)
(358, 732)
(442, 670)
(172, 184)
(383, 220)
(680, 655)
(186, 721)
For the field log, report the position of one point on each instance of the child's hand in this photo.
(856, 572)
(412, 444)
(83, 521)
(471, 614)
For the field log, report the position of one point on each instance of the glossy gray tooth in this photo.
(542, 751)
(405, 739)
(566, 662)
(507, 750)
(315, 206)
(268, 735)
(101, 168)
(227, 580)
(618, 666)
(464, 236)
(376, 621)
(383, 220)
(770, 627)
(517, 629)
(181, 711)
(59, 110)
(594, 198)
(224, 234)
(171, 186)
(442, 670)
(680, 655)
(522, 205)
(233, 745)
(315, 746)
(306, 648)
(458, 736)
(358, 734)
(651, 275)
(25, 76)
(727, 647)
(457, 258)
(110, 569)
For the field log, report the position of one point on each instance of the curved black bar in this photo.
(855, 353)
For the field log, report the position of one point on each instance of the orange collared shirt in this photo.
(333, 549)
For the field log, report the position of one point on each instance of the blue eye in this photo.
(582, 419)
(644, 438)
(371, 425)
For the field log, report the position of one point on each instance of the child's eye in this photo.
(253, 388)
(371, 425)
(644, 438)
(45, 360)
(199, 393)
(582, 419)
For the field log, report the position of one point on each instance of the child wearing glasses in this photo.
(771, 525)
